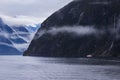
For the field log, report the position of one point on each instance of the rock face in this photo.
(81, 28)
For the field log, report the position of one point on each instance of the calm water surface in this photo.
(36, 68)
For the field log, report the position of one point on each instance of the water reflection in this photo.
(78, 61)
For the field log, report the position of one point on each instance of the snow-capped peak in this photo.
(15, 37)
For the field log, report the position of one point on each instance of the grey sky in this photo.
(39, 9)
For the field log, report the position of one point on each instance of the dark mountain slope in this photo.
(81, 28)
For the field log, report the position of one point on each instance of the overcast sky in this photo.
(29, 11)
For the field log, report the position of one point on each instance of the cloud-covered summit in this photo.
(36, 8)
(19, 20)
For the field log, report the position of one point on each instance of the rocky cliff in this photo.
(83, 27)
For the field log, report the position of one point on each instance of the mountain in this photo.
(81, 28)
(14, 40)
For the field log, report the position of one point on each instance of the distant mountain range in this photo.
(14, 40)
(81, 28)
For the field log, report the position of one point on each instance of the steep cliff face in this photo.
(80, 28)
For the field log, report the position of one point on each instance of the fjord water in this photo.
(38, 68)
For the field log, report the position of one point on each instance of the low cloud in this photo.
(76, 30)
(11, 37)
(19, 20)
(39, 34)
(82, 31)
(79, 30)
